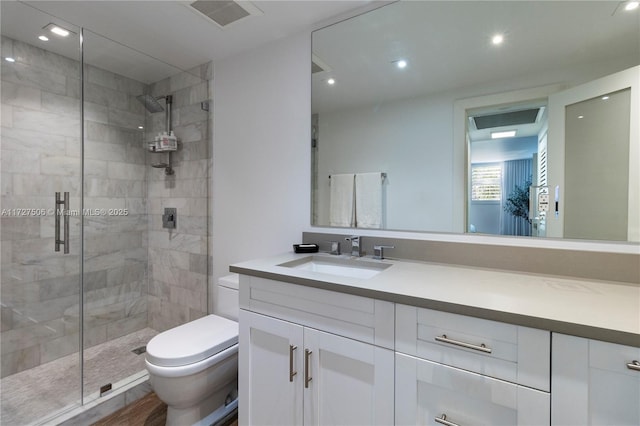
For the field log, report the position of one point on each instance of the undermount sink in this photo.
(339, 266)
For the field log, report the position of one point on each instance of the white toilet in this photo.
(193, 368)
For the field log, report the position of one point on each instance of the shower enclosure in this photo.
(87, 282)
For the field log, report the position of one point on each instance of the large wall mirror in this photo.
(495, 117)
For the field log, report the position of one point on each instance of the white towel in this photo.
(341, 200)
(369, 200)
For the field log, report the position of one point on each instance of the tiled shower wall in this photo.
(178, 258)
(41, 154)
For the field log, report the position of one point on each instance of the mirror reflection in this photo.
(413, 91)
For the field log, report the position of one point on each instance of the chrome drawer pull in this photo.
(634, 365)
(443, 421)
(291, 372)
(481, 348)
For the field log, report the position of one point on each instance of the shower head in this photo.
(150, 103)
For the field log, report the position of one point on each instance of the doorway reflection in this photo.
(506, 145)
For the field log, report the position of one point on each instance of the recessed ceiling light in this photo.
(581, 117)
(140, 127)
(57, 30)
(331, 82)
(604, 98)
(497, 39)
(632, 5)
(60, 31)
(505, 134)
(401, 63)
(43, 38)
(9, 59)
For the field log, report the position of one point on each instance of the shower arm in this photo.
(168, 101)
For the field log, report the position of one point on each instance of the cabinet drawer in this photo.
(594, 382)
(360, 318)
(505, 351)
(427, 390)
(616, 359)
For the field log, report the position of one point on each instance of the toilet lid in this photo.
(192, 342)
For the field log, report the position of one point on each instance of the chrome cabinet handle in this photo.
(307, 378)
(634, 365)
(291, 372)
(443, 421)
(65, 214)
(481, 347)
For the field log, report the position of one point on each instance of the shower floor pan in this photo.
(37, 393)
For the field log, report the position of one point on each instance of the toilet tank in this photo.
(228, 303)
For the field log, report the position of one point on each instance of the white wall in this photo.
(410, 140)
(261, 152)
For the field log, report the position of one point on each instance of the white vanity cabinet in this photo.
(308, 356)
(472, 371)
(594, 382)
(324, 353)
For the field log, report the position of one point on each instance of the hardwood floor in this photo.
(147, 411)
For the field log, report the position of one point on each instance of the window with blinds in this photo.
(542, 162)
(486, 182)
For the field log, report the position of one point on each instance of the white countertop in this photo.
(608, 311)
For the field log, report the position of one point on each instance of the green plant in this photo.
(518, 201)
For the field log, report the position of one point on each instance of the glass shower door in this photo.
(40, 232)
(115, 330)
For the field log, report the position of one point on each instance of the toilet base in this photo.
(206, 412)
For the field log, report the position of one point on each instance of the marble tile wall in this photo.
(41, 154)
(179, 259)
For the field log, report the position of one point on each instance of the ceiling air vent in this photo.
(224, 13)
(513, 118)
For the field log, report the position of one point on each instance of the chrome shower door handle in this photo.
(57, 222)
(65, 213)
(66, 223)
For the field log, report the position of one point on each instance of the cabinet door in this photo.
(270, 373)
(351, 383)
(426, 391)
(594, 382)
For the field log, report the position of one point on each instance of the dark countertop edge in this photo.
(573, 329)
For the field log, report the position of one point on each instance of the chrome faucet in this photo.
(355, 245)
(378, 251)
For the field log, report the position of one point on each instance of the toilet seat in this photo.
(192, 342)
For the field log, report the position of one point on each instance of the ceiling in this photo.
(448, 47)
(446, 42)
(449, 51)
(168, 32)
